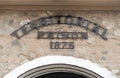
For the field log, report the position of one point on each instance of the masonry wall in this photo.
(15, 52)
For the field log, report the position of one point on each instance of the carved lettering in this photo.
(15, 34)
(96, 29)
(84, 35)
(87, 24)
(42, 22)
(74, 35)
(50, 20)
(61, 45)
(69, 20)
(81, 22)
(33, 25)
(62, 35)
(103, 34)
(50, 35)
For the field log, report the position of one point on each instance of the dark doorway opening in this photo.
(61, 75)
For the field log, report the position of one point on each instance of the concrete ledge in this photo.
(62, 2)
(53, 7)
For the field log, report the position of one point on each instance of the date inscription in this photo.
(62, 45)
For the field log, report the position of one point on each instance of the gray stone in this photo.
(24, 22)
(103, 59)
(1, 54)
(90, 40)
(22, 57)
(1, 47)
(97, 19)
(110, 34)
(104, 52)
(1, 64)
(17, 62)
(32, 55)
(15, 43)
(118, 44)
(11, 22)
(11, 66)
(110, 26)
(1, 75)
(117, 32)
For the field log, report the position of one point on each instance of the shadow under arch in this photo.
(59, 68)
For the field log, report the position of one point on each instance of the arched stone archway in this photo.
(63, 66)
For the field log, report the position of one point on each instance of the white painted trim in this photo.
(60, 59)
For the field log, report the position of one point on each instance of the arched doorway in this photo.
(61, 75)
(59, 67)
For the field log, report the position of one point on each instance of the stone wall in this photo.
(15, 52)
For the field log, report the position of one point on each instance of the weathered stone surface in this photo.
(15, 52)
(15, 43)
(24, 22)
(117, 32)
(33, 55)
(11, 22)
(1, 47)
(115, 71)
